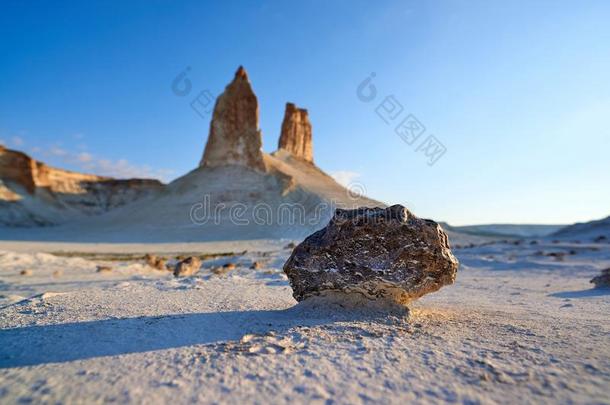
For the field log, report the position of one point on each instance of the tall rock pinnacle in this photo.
(296, 136)
(235, 138)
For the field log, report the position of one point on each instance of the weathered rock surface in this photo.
(26, 184)
(235, 137)
(385, 254)
(296, 136)
(187, 267)
(603, 280)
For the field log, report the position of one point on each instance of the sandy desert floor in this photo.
(521, 325)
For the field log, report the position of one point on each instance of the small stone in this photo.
(58, 273)
(155, 262)
(103, 269)
(256, 266)
(187, 267)
(559, 256)
(603, 280)
(383, 254)
(219, 270)
(224, 269)
(26, 272)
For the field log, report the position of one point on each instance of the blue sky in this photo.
(517, 93)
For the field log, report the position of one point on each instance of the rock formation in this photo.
(296, 136)
(25, 182)
(19, 169)
(235, 138)
(285, 191)
(386, 254)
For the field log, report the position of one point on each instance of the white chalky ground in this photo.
(518, 326)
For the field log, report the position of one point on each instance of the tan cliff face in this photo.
(26, 182)
(296, 135)
(235, 137)
(20, 169)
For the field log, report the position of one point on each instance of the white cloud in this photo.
(12, 142)
(17, 141)
(121, 169)
(84, 157)
(89, 163)
(345, 177)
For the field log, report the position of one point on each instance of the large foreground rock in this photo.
(387, 254)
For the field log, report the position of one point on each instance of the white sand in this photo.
(516, 328)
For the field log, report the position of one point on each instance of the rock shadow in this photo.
(36, 345)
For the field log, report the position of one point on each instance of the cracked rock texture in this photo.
(386, 254)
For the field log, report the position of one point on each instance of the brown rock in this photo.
(386, 254)
(187, 267)
(296, 136)
(26, 272)
(235, 138)
(229, 266)
(103, 269)
(256, 266)
(155, 262)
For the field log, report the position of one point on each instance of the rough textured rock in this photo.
(235, 138)
(386, 254)
(296, 136)
(603, 280)
(187, 267)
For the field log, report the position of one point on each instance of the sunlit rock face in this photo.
(382, 254)
(33, 193)
(296, 136)
(235, 137)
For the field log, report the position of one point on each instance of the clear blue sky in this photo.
(517, 91)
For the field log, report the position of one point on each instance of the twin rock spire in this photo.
(235, 137)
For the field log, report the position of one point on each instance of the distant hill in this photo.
(509, 230)
(35, 194)
(586, 231)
